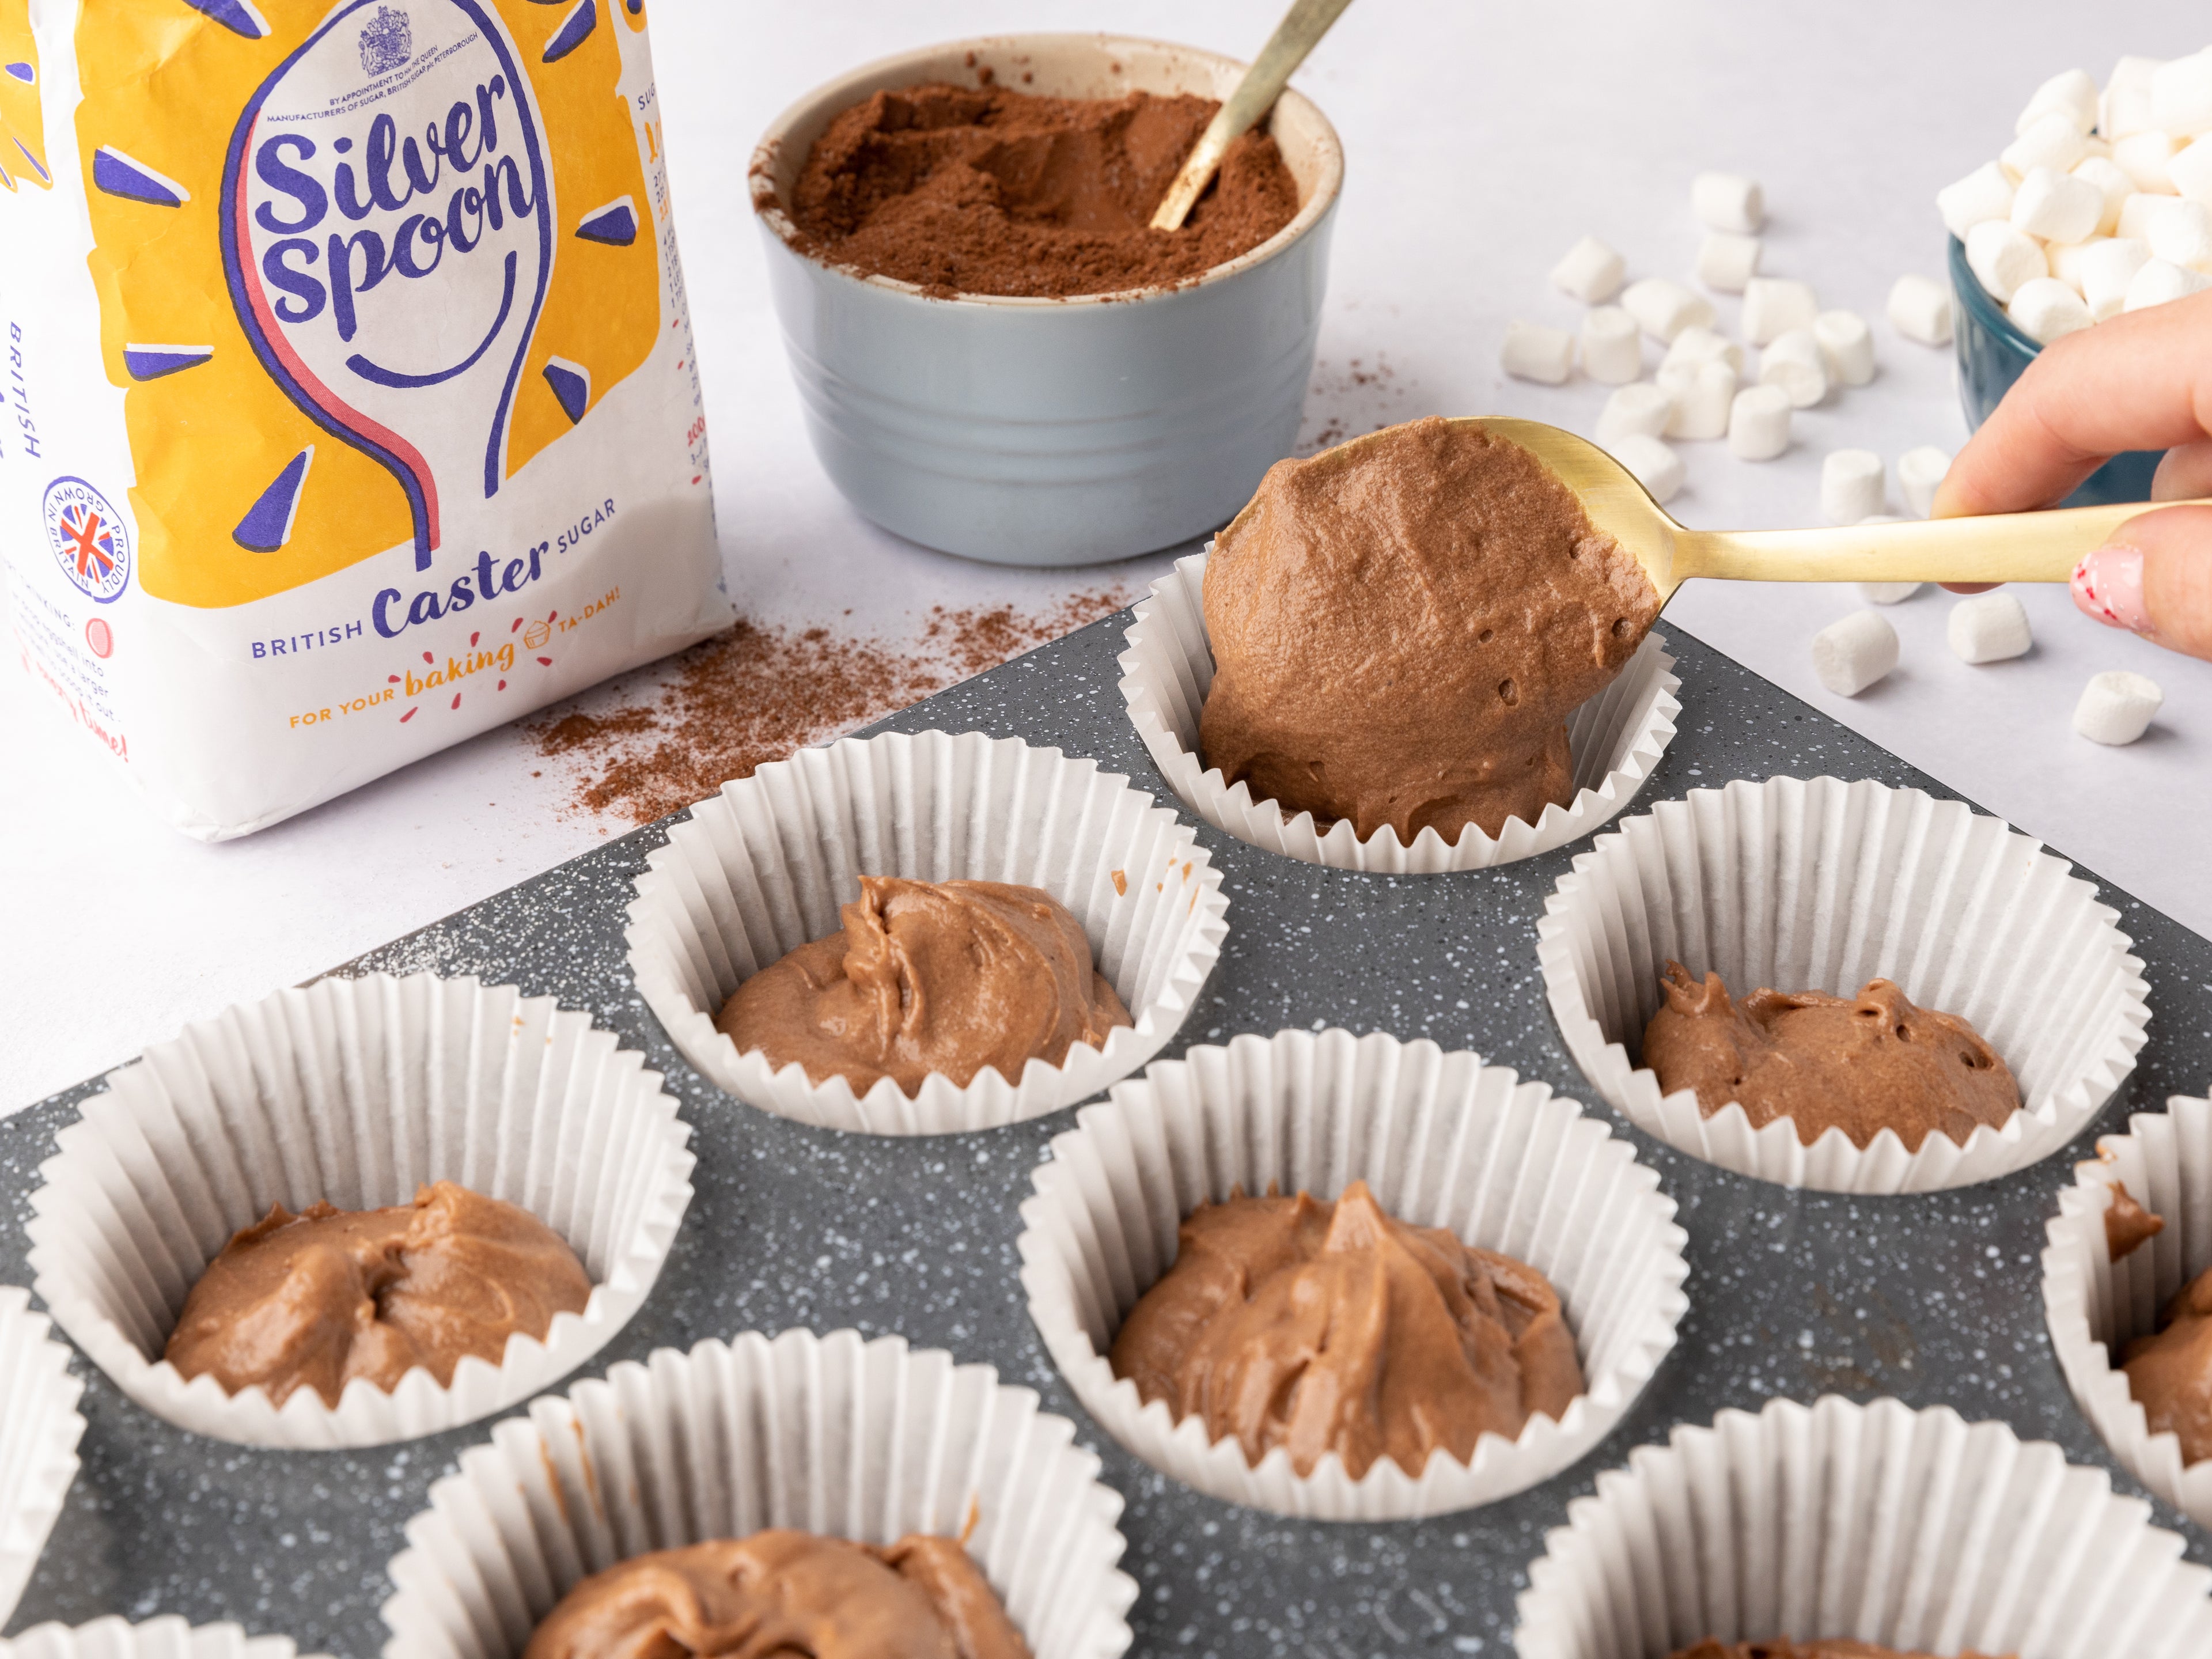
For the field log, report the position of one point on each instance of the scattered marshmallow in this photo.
(2056, 206)
(1918, 472)
(1641, 411)
(1704, 394)
(1988, 628)
(1850, 486)
(1590, 272)
(1533, 351)
(1727, 261)
(2190, 169)
(1846, 346)
(2052, 140)
(1612, 346)
(1727, 201)
(2160, 281)
(1657, 467)
(1759, 423)
(2003, 259)
(1885, 592)
(2148, 160)
(2117, 707)
(1699, 344)
(1984, 194)
(2111, 181)
(2072, 93)
(1920, 309)
(2181, 95)
(2046, 309)
(2106, 267)
(2181, 234)
(1772, 306)
(1793, 362)
(2126, 109)
(1663, 308)
(1850, 655)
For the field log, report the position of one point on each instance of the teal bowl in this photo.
(1993, 353)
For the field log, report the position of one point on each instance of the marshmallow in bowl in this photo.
(1536, 351)
(2180, 231)
(2148, 160)
(2107, 266)
(2051, 141)
(2181, 95)
(2002, 258)
(1985, 193)
(2046, 309)
(2159, 280)
(2125, 108)
(1590, 272)
(2070, 92)
(1919, 308)
(2190, 169)
(2111, 181)
(2056, 206)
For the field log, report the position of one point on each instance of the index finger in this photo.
(2142, 380)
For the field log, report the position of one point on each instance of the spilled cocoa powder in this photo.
(988, 191)
(759, 693)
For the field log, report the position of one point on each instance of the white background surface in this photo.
(1481, 139)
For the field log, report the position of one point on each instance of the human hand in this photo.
(2139, 381)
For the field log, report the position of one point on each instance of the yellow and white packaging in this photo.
(350, 405)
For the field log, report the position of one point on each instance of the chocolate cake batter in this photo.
(1830, 1647)
(949, 976)
(2171, 1374)
(2128, 1225)
(1401, 627)
(317, 1299)
(784, 1594)
(1332, 1327)
(987, 191)
(1824, 1062)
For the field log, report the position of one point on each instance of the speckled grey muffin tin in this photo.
(1934, 1299)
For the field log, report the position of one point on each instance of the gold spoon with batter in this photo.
(1299, 31)
(2011, 547)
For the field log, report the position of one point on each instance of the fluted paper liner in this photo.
(355, 1091)
(1913, 1529)
(761, 869)
(1442, 1140)
(168, 1637)
(39, 1427)
(1822, 884)
(2095, 1305)
(1617, 738)
(869, 1441)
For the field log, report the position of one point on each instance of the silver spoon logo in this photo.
(388, 232)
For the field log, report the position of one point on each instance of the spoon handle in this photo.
(1301, 29)
(2014, 547)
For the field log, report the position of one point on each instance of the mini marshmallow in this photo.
(2190, 169)
(1639, 411)
(2065, 260)
(2148, 160)
(1850, 486)
(1533, 351)
(2117, 707)
(2181, 95)
(1846, 346)
(2160, 281)
(2181, 234)
(2107, 267)
(2052, 142)
(1759, 423)
(1988, 628)
(1918, 472)
(2126, 107)
(2072, 93)
(2137, 212)
(2003, 259)
(1850, 655)
(1704, 394)
(2046, 309)
(1727, 201)
(1793, 363)
(1727, 261)
(1985, 193)
(1920, 309)
(1663, 308)
(2111, 181)
(1613, 347)
(1772, 306)
(1590, 272)
(2056, 206)
(1657, 467)
(1699, 344)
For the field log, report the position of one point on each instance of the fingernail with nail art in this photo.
(2108, 584)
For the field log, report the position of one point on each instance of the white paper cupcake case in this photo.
(2094, 1305)
(761, 868)
(1617, 738)
(157, 1638)
(40, 1428)
(1823, 885)
(1442, 1140)
(869, 1441)
(1913, 1529)
(355, 1091)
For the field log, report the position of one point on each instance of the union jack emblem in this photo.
(91, 542)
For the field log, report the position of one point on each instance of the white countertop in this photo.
(1481, 141)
